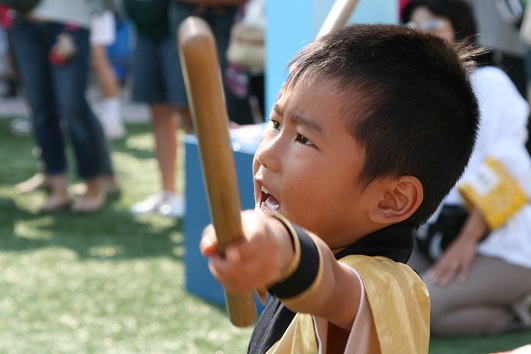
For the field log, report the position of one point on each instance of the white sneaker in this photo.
(172, 206)
(164, 204)
(150, 205)
(113, 131)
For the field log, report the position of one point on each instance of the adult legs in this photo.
(90, 149)
(163, 119)
(31, 45)
(158, 82)
(484, 303)
(164, 126)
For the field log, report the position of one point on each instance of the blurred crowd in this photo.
(125, 41)
(52, 51)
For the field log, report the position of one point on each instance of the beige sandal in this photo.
(34, 183)
(56, 203)
(79, 189)
(86, 204)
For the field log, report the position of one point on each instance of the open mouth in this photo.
(268, 203)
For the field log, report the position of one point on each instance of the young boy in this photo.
(374, 126)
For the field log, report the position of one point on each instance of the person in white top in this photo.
(475, 253)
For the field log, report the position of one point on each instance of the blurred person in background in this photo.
(52, 53)
(475, 252)
(158, 81)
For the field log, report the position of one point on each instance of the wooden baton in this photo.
(199, 60)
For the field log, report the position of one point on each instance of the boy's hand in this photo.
(256, 261)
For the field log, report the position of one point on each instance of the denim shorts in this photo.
(219, 18)
(157, 75)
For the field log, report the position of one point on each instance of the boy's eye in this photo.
(303, 140)
(276, 125)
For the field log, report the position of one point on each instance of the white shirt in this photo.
(77, 12)
(502, 135)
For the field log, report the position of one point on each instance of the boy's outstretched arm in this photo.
(265, 257)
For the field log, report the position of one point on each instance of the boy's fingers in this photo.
(232, 277)
(208, 245)
(233, 254)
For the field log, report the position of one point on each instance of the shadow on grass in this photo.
(110, 233)
(138, 144)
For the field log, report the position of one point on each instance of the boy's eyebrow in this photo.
(301, 120)
(311, 124)
(277, 109)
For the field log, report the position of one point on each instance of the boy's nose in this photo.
(268, 152)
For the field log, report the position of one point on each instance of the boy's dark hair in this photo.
(408, 103)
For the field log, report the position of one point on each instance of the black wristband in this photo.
(307, 269)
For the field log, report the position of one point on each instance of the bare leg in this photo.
(164, 125)
(186, 120)
(483, 304)
(107, 81)
(164, 130)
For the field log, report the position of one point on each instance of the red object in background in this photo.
(63, 50)
(56, 58)
(5, 17)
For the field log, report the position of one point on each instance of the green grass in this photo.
(112, 283)
(102, 283)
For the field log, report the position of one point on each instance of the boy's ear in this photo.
(399, 200)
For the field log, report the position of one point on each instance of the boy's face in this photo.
(307, 165)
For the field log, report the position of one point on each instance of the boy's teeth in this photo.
(270, 205)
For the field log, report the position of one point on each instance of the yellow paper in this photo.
(494, 192)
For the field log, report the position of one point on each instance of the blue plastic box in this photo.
(199, 281)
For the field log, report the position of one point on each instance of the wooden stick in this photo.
(197, 50)
(338, 16)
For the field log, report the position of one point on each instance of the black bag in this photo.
(22, 6)
(432, 239)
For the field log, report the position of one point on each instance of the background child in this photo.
(374, 126)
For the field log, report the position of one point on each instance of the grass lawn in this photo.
(112, 283)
